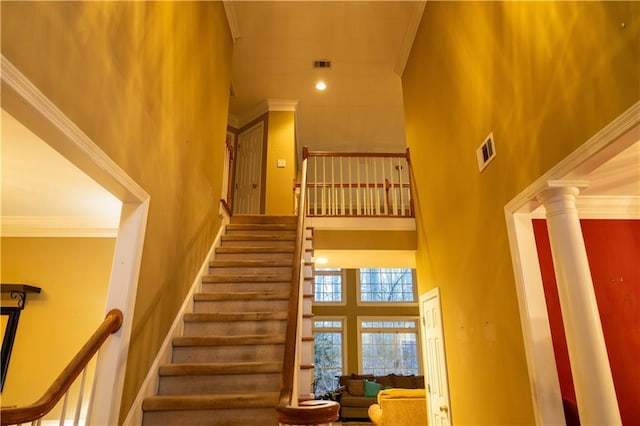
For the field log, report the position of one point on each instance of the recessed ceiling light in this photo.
(321, 260)
(321, 85)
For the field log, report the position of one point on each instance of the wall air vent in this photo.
(486, 152)
(322, 63)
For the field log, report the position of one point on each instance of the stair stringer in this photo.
(306, 373)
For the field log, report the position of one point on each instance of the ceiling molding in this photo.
(282, 104)
(232, 19)
(409, 37)
(60, 226)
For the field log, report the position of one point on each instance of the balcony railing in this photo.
(358, 184)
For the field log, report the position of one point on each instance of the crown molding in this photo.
(282, 104)
(60, 226)
(409, 37)
(232, 19)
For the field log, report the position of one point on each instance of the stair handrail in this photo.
(289, 410)
(40, 408)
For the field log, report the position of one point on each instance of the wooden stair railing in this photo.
(362, 184)
(289, 410)
(40, 408)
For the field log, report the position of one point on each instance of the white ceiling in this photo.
(367, 42)
(42, 190)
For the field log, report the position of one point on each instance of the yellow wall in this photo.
(543, 77)
(74, 276)
(363, 240)
(280, 146)
(148, 82)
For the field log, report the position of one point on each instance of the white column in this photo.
(595, 394)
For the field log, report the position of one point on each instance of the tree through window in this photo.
(387, 285)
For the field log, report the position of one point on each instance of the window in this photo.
(387, 285)
(389, 345)
(328, 286)
(328, 357)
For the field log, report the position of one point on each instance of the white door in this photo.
(435, 365)
(248, 183)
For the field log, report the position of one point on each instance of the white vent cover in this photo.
(322, 63)
(486, 152)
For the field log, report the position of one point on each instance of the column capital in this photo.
(560, 195)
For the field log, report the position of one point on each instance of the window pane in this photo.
(328, 353)
(385, 353)
(328, 285)
(327, 360)
(386, 285)
(389, 346)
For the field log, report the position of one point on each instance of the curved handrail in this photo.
(29, 413)
(289, 412)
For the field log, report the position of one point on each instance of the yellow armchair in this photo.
(399, 407)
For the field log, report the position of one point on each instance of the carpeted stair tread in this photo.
(249, 250)
(258, 218)
(251, 263)
(237, 278)
(219, 368)
(234, 316)
(209, 402)
(261, 227)
(245, 295)
(257, 237)
(246, 340)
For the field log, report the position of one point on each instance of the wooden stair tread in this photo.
(243, 340)
(210, 401)
(234, 316)
(219, 368)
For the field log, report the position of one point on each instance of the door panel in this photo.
(248, 182)
(438, 406)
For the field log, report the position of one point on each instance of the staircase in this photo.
(226, 366)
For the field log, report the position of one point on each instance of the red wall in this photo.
(613, 250)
